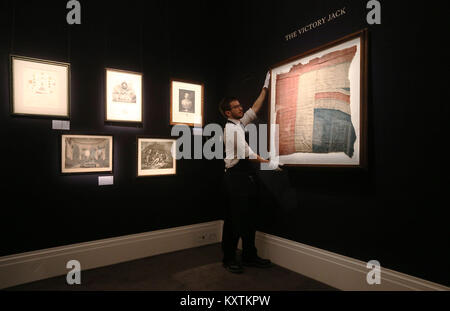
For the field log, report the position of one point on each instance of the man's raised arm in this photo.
(260, 100)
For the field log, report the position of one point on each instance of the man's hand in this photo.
(259, 101)
(266, 83)
(270, 166)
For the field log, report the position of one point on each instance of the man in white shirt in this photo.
(240, 184)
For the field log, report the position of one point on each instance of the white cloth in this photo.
(269, 166)
(234, 138)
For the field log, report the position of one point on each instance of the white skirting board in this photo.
(42, 264)
(338, 271)
(341, 272)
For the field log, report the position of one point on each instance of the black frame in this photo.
(60, 136)
(137, 156)
(43, 61)
(123, 122)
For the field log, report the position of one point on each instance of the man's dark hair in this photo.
(225, 105)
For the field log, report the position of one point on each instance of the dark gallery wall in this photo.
(161, 39)
(392, 211)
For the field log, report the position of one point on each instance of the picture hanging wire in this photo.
(105, 47)
(69, 43)
(168, 26)
(106, 41)
(13, 26)
(141, 39)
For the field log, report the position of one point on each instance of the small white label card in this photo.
(60, 125)
(105, 180)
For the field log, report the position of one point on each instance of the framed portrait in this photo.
(86, 154)
(156, 156)
(123, 96)
(39, 87)
(318, 103)
(186, 103)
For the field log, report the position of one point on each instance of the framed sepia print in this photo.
(39, 87)
(186, 103)
(123, 96)
(318, 100)
(86, 154)
(156, 156)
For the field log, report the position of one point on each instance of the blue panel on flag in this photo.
(333, 132)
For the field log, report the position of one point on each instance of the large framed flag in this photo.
(318, 100)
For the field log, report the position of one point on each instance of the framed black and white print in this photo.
(39, 87)
(156, 156)
(86, 154)
(186, 103)
(123, 96)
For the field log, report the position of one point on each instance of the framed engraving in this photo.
(186, 103)
(123, 96)
(156, 156)
(86, 154)
(318, 100)
(39, 87)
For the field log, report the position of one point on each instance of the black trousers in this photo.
(239, 219)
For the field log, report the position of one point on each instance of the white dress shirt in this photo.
(234, 138)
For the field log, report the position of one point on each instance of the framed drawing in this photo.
(86, 153)
(123, 96)
(156, 156)
(186, 103)
(318, 100)
(39, 87)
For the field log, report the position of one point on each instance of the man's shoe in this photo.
(257, 262)
(233, 267)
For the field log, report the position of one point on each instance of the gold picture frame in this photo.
(186, 102)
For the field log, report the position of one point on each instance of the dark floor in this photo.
(196, 269)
